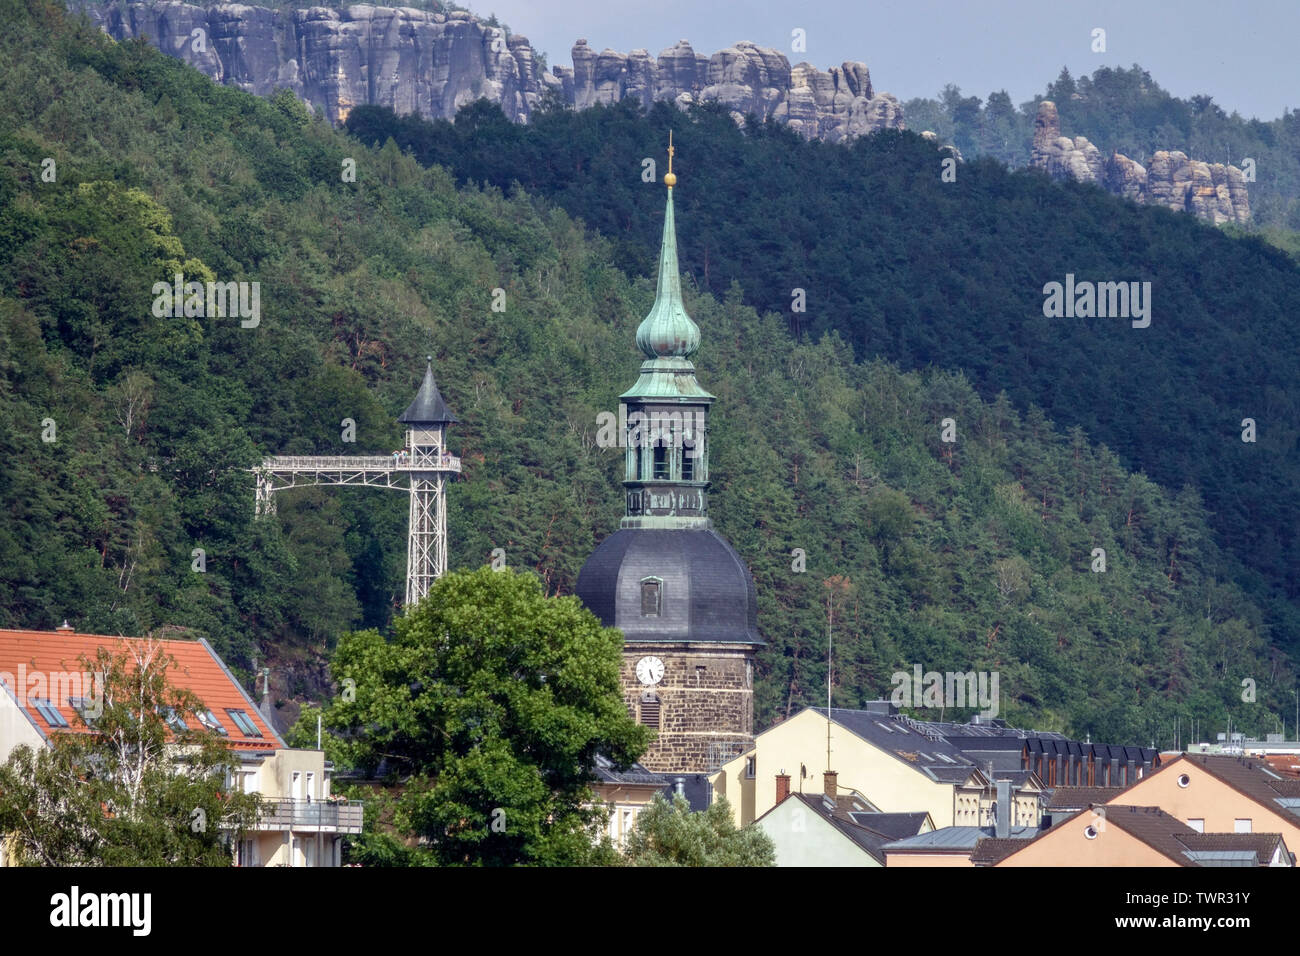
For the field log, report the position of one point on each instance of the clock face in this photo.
(649, 670)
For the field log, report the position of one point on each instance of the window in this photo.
(650, 597)
(688, 459)
(1197, 824)
(84, 707)
(1184, 780)
(47, 710)
(174, 720)
(660, 461)
(209, 720)
(244, 723)
(750, 767)
(1241, 826)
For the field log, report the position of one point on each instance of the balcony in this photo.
(344, 816)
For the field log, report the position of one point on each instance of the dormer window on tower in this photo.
(651, 597)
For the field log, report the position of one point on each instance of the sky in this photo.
(1243, 54)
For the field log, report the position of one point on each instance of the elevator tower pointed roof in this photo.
(428, 408)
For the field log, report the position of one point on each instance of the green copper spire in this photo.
(668, 330)
(667, 336)
(666, 413)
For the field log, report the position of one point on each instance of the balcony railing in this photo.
(344, 816)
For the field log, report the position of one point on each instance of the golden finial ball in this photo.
(670, 180)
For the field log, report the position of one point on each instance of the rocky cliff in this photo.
(836, 105)
(1212, 191)
(418, 61)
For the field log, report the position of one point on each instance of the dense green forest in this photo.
(1128, 112)
(926, 273)
(968, 555)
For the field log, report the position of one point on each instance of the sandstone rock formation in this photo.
(416, 61)
(748, 78)
(1214, 192)
(410, 60)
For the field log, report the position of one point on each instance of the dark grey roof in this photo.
(695, 788)
(896, 826)
(936, 758)
(428, 408)
(606, 772)
(1076, 798)
(925, 744)
(959, 774)
(1018, 778)
(707, 593)
(871, 835)
(957, 838)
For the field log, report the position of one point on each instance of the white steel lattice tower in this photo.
(422, 467)
(427, 419)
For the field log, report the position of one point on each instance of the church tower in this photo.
(678, 591)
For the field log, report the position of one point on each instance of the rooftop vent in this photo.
(65, 626)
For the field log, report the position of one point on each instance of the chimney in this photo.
(832, 788)
(679, 786)
(782, 787)
(1003, 827)
(65, 626)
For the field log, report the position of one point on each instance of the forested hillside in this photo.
(968, 555)
(1127, 111)
(925, 273)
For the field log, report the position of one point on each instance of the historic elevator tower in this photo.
(426, 420)
(682, 597)
(422, 467)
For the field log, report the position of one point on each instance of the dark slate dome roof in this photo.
(707, 592)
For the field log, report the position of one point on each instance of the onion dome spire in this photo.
(667, 330)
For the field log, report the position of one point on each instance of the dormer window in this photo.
(47, 710)
(209, 720)
(244, 722)
(651, 597)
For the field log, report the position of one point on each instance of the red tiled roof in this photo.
(1286, 764)
(42, 658)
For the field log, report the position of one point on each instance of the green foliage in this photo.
(951, 276)
(812, 448)
(1126, 111)
(116, 795)
(491, 704)
(669, 834)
